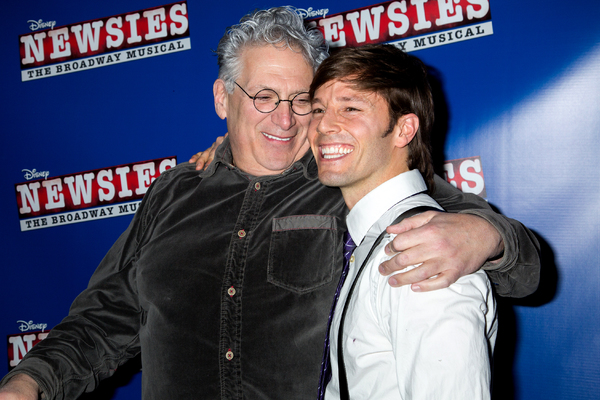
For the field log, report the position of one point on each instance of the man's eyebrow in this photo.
(354, 99)
(351, 98)
(260, 87)
(345, 99)
(257, 88)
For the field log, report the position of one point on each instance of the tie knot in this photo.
(349, 245)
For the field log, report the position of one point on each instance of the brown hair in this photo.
(401, 79)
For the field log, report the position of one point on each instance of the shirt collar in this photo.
(224, 156)
(370, 208)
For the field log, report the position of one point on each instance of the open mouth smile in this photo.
(337, 151)
(287, 139)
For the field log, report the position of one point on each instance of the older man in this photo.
(224, 278)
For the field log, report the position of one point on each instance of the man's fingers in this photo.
(402, 257)
(203, 158)
(414, 249)
(401, 242)
(412, 222)
(405, 235)
(417, 274)
(196, 159)
(439, 281)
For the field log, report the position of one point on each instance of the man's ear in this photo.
(405, 130)
(220, 95)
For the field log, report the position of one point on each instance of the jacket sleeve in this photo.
(517, 274)
(101, 330)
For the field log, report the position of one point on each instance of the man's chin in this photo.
(278, 167)
(333, 179)
(280, 162)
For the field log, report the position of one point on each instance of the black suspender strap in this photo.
(344, 391)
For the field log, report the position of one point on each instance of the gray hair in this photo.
(278, 26)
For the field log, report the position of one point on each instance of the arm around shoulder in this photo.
(517, 270)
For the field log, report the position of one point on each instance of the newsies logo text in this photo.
(106, 41)
(408, 24)
(20, 344)
(466, 174)
(87, 196)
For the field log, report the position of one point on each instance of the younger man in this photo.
(372, 114)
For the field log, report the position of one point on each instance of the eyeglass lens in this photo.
(267, 100)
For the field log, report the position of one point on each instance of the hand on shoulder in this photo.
(446, 246)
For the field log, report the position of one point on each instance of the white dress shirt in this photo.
(399, 344)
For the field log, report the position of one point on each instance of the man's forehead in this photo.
(344, 90)
(263, 61)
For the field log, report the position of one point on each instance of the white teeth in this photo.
(330, 152)
(277, 138)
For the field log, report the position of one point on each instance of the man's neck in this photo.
(258, 170)
(376, 203)
(353, 193)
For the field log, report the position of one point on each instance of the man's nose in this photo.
(283, 116)
(327, 123)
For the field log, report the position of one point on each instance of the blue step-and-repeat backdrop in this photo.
(98, 98)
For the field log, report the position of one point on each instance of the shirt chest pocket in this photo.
(305, 252)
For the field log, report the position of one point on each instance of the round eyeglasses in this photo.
(267, 100)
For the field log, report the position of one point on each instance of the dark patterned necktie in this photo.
(325, 377)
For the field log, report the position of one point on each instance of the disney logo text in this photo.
(29, 326)
(33, 174)
(310, 13)
(35, 25)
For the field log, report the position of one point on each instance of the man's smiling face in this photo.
(267, 143)
(352, 140)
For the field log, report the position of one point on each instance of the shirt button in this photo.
(257, 186)
(242, 233)
(352, 258)
(229, 355)
(231, 291)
